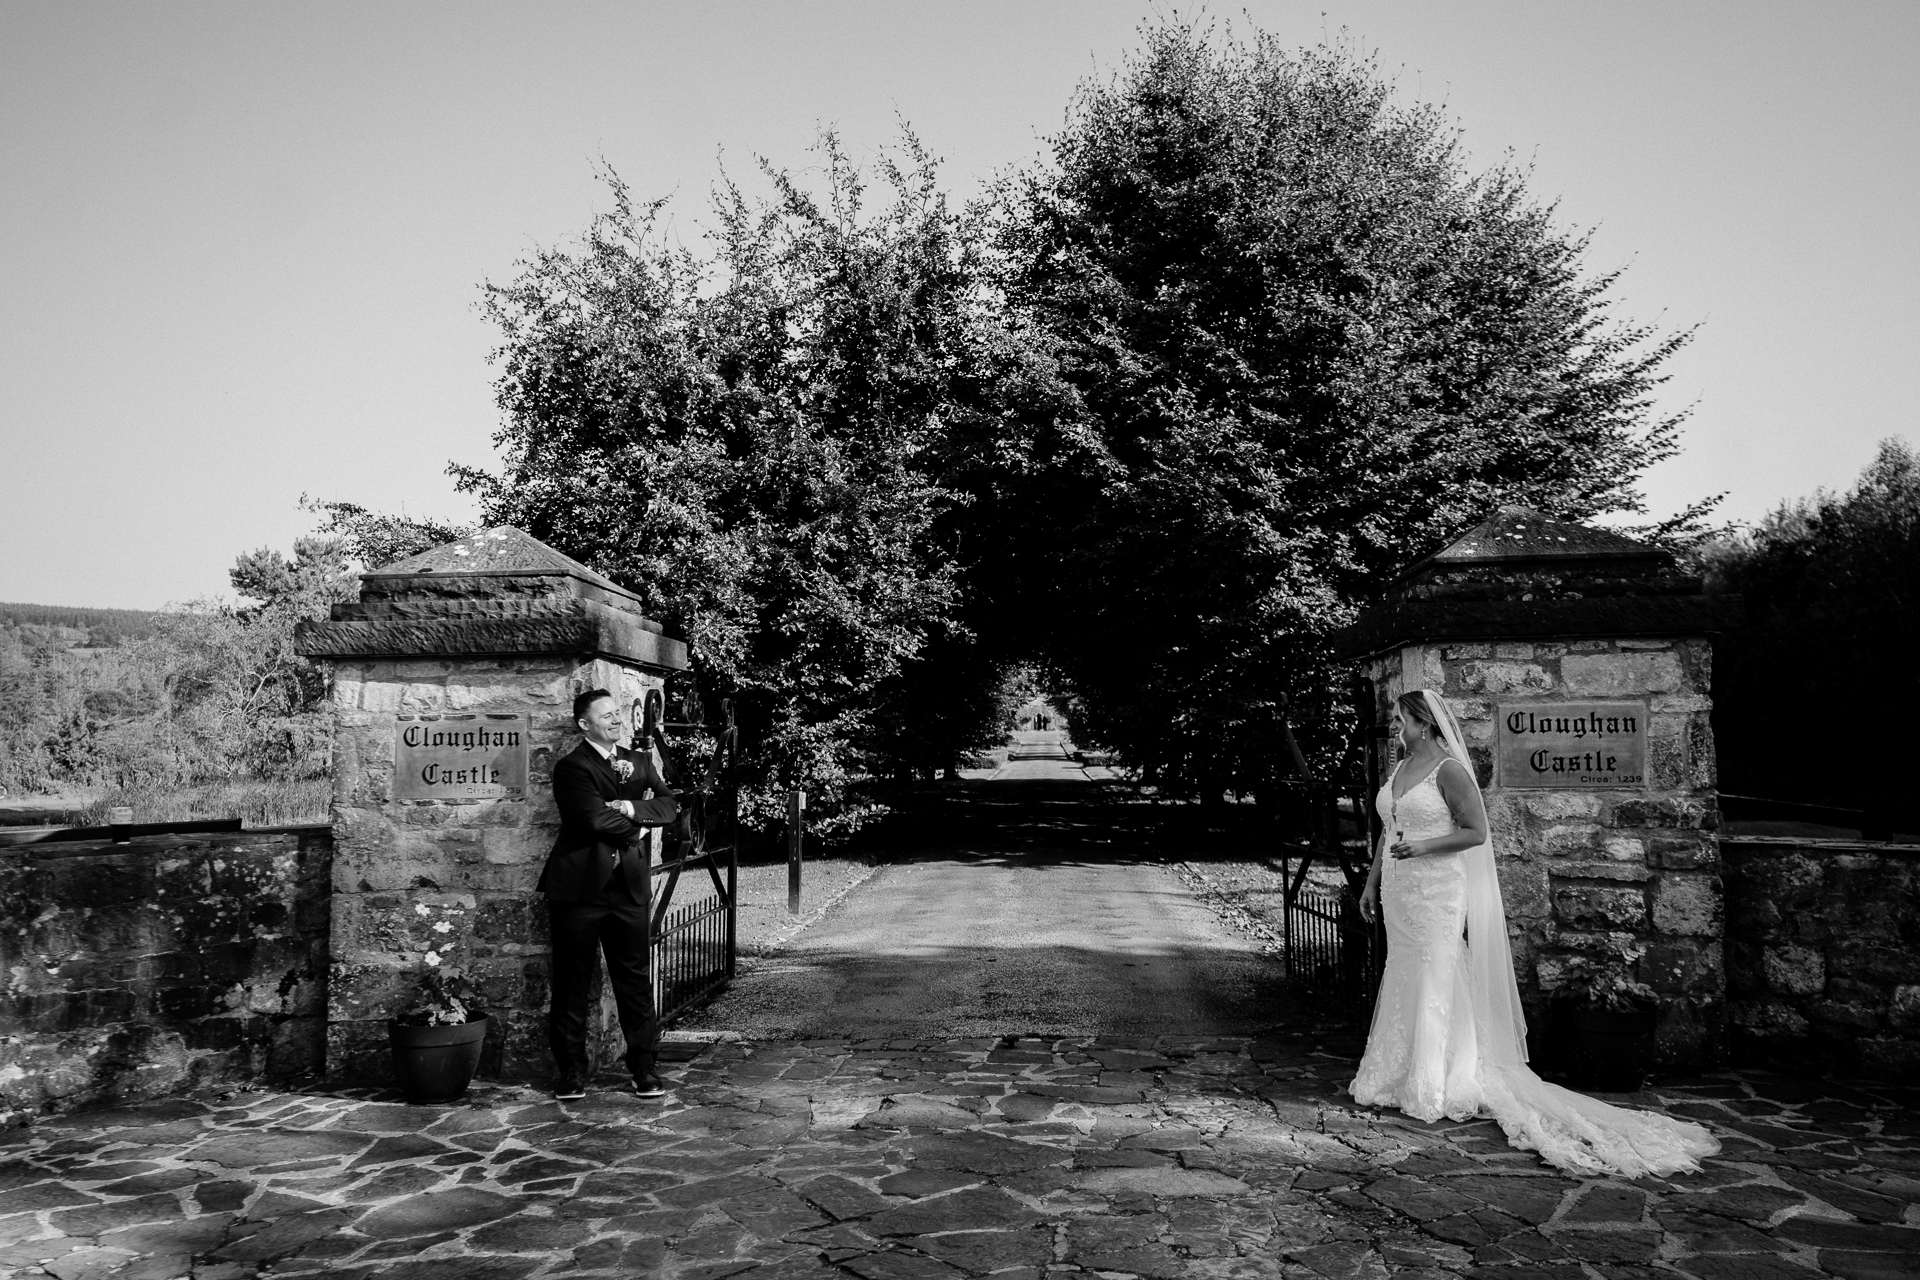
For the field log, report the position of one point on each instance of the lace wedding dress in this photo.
(1448, 1036)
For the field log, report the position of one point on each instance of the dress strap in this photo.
(1401, 795)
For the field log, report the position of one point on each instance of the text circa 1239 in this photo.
(474, 757)
(1571, 744)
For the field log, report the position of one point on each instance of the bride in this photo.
(1448, 1036)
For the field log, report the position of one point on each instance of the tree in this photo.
(1811, 696)
(250, 678)
(376, 540)
(1281, 342)
(752, 445)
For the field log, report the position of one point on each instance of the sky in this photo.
(242, 245)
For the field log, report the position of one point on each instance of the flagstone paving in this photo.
(922, 1160)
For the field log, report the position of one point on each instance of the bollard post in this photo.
(796, 813)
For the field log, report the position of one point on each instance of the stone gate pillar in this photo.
(453, 679)
(1578, 662)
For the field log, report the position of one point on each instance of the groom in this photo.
(599, 888)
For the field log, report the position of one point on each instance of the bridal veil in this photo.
(1579, 1134)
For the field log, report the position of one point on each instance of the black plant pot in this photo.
(435, 1064)
(1602, 1048)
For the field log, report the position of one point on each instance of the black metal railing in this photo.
(694, 944)
(1330, 949)
(1332, 822)
(692, 955)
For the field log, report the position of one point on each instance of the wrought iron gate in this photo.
(1328, 946)
(693, 944)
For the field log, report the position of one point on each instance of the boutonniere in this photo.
(622, 767)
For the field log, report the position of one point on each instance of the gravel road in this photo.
(1035, 907)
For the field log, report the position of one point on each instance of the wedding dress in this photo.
(1448, 1036)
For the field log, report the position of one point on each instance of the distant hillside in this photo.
(101, 627)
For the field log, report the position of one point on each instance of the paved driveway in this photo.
(1036, 904)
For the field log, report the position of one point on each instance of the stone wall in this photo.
(135, 970)
(453, 879)
(1823, 953)
(1584, 870)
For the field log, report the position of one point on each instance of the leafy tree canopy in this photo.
(1832, 590)
(751, 442)
(1156, 415)
(1296, 344)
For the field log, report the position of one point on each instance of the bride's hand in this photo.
(1369, 902)
(1402, 849)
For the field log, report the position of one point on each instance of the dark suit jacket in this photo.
(593, 838)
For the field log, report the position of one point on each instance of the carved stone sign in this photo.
(477, 757)
(1571, 745)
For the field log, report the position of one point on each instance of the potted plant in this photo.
(1604, 1017)
(436, 1040)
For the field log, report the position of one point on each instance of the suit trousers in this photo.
(615, 925)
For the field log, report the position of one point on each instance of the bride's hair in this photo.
(1412, 706)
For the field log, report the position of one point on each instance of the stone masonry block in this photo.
(517, 847)
(1835, 1016)
(1870, 961)
(1510, 841)
(423, 699)
(1557, 805)
(1504, 678)
(1686, 904)
(511, 921)
(1703, 760)
(1904, 1013)
(1625, 849)
(1682, 853)
(359, 991)
(1568, 838)
(468, 697)
(1620, 908)
(1774, 1018)
(1669, 767)
(1523, 888)
(1663, 812)
(1684, 703)
(1684, 965)
(1620, 675)
(1475, 716)
(1696, 659)
(1622, 872)
(1794, 971)
(1552, 971)
(381, 696)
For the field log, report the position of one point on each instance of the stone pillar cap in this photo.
(1522, 575)
(500, 552)
(1523, 536)
(499, 593)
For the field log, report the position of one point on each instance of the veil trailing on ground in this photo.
(1571, 1130)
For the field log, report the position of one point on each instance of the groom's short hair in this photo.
(583, 703)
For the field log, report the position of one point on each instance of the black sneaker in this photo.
(569, 1089)
(649, 1086)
